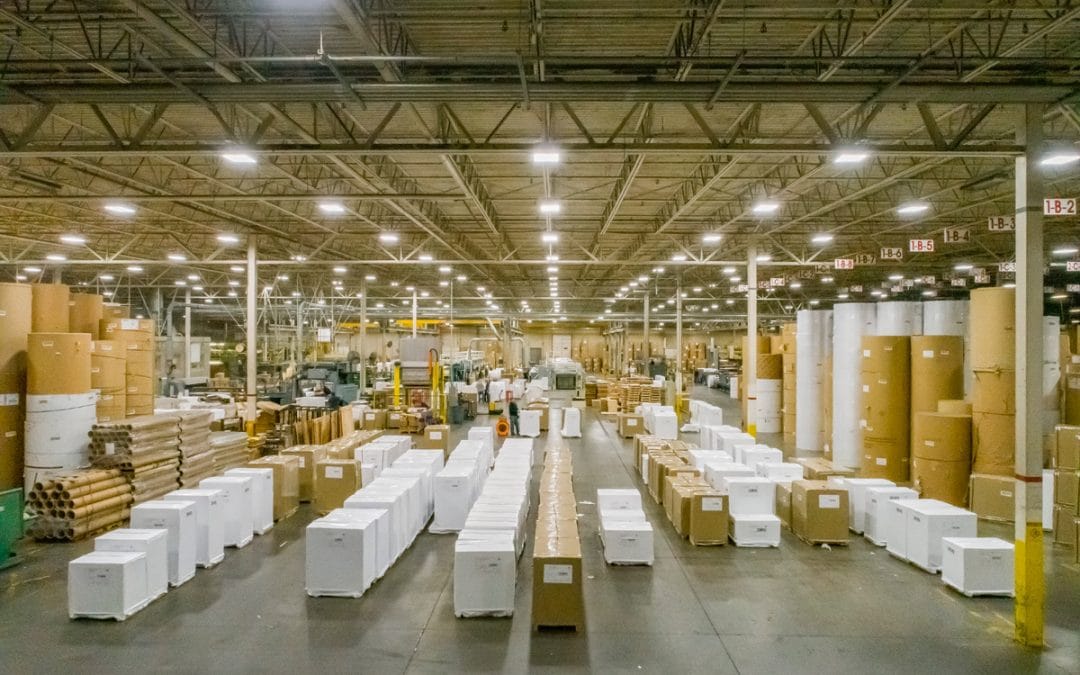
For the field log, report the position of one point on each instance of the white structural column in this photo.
(678, 341)
(187, 333)
(645, 333)
(414, 314)
(363, 336)
(1030, 586)
(252, 295)
(750, 357)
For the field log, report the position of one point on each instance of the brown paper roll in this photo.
(993, 323)
(770, 367)
(58, 363)
(49, 308)
(937, 370)
(15, 323)
(107, 366)
(85, 312)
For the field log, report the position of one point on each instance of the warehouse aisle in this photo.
(712, 610)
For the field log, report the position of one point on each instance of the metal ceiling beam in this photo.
(791, 90)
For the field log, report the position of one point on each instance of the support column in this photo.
(1030, 587)
(363, 336)
(750, 357)
(252, 295)
(414, 314)
(506, 346)
(678, 343)
(187, 333)
(645, 333)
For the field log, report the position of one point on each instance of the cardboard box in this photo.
(1064, 532)
(436, 437)
(1067, 450)
(394, 419)
(682, 495)
(286, 470)
(992, 497)
(819, 468)
(308, 456)
(819, 512)
(557, 597)
(1066, 487)
(708, 518)
(544, 409)
(630, 425)
(374, 419)
(335, 481)
(783, 504)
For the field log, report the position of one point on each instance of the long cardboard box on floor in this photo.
(558, 601)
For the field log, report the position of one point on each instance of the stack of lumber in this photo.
(146, 448)
(78, 505)
(196, 457)
(230, 450)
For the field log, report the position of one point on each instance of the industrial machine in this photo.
(420, 376)
(564, 375)
(11, 525)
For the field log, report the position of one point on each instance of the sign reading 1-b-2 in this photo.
(1059, 207)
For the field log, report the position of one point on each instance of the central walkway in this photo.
(715, 609)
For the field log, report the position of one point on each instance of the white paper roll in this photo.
(769, 394)
(813, 344)
(1051, 337)
(851, 321)
(58, 437)
(899, 318)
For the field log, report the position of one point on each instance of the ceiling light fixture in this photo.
(120, 209)
(340, 270)
(546, 156)
(56, 257)
(177, 257)
(823, 238)
(851, 157)
(913, 209)
(678, 257)
(1060, 158)
(766, 208)
(240, 158)
(711, 238)
(73, 239)
(134, 268)
(550, 207)
(32, 270)
(549, 237)
(1065, 250)
(332, 208)
(226, 238)
(388, 238)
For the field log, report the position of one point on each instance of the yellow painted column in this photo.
(1030, 583)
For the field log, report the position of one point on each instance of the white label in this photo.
(1001, 223)
(881, 461)
(928, 353)
(558, 574)
(828, 501)
(302, 461)
(959, 282)
(1059, 207)
(712, 503)
(928, 443)
(1007, 494)
(129, 324)
(335, 472)
(9, 399)
(866, 388)
(892, 253)
(47, 343)
(866, 353)
(10, 434)
(1072, 266)
(1007, 267)
(110, 448)
(957, 235)
(844, 263)
(435, 435)
(631, 422)
(325, 335)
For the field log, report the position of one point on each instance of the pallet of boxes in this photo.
(558, 600)
(1066, 485)
(136, 339)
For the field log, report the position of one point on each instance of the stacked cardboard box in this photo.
(886, 397)
(1066, 481)
(558, 600)
(819, 512)
(137, 339)
(993, 394)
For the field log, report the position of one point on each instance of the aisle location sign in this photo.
(1002, 223)
(892, 253)
(1072, 266)
(957, 235)
(844, 264)
(1059, 207)
(921, 245)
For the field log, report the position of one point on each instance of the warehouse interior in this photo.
(522, 336)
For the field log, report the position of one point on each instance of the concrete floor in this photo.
(716, 610)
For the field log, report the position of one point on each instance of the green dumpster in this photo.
(11, 525)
